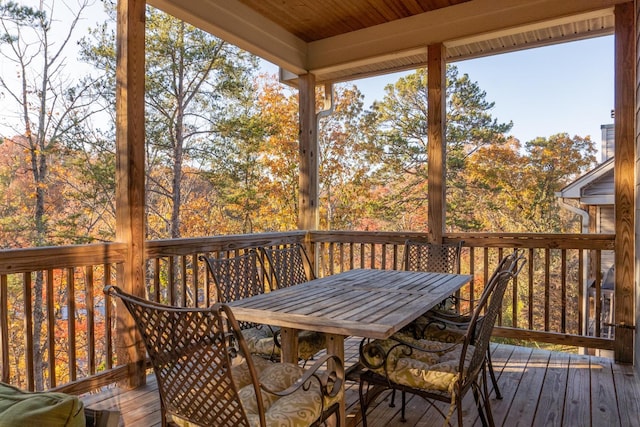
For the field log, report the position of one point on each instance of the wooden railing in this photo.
(551, 301)
(56, 293)
(53, 314)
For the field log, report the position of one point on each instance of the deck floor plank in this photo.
(551, 402)
(540, 388)
(627, 392)
(508, 381)
(523, 406)
(577, 408)
(604, 408)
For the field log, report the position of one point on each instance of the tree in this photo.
(278, 109)
(45, 98)
(514, 187)
(344, 169)
(397, 131)
(194, 81)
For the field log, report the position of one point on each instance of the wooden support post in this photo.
(436, 122)
(637, 235)
(308, 178)
(625, 178)
(130, 196)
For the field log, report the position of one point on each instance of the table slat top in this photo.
(367, 303)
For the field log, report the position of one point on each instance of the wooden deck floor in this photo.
(540, 388)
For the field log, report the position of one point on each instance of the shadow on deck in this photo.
(540, 388)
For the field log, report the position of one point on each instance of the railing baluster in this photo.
(51, 330)
(372, 258)
(500, 255)
(384, 257)
(71, 322)
(597, 299)
(172, 281)
(531, 263)
(108, 319)
(195, 280)
(156, 279)
(581, 294)
(4, 328)
(563, 292)
(28, 326)
(547, 288)
(331, 259)
(351, 255)
(91, 326)
(514, 303)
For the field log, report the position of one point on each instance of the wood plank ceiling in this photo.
(313, 20)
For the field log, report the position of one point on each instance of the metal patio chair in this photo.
(289, 265)
(203, 380)
(437, 370)
(238, 277)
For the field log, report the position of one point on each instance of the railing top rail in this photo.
(14, 261)
(501, 240)
(169, 247)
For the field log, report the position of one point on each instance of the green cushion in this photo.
(27, 409)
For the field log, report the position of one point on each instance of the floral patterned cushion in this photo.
(310, 343)
(260, 340)
(299, 409)
(432, 329)
(435, 369)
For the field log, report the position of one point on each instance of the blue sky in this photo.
(561, 88)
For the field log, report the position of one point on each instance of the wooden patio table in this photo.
(363, 302)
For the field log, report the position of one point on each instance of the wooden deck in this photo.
(540, 388)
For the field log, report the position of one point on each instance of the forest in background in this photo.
(222, 155)
(222, 145)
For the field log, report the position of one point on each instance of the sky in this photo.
(567, 87)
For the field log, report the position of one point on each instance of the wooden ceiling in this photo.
(339, 40)
(313, 20)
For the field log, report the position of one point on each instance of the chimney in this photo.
(608, 141)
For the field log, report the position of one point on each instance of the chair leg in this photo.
(404, 406)
(363, 404)
(475, 388)
(494, 380)
(487, 401)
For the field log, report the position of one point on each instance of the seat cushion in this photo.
(435, 369)
(29, 409)
(298, 409)
(260, 340)
(310, 343)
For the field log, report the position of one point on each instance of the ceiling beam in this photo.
(456, 22)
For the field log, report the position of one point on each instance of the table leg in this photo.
(289, 341)
(335, 346)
